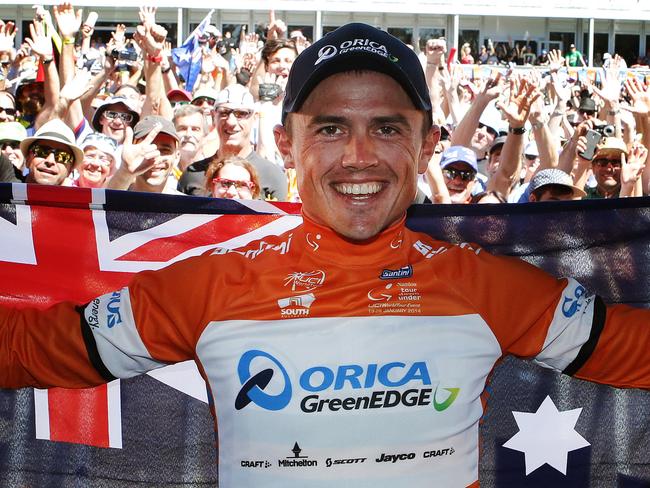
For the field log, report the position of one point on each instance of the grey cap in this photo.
(498, 142)
(553, 176)
(148, 123)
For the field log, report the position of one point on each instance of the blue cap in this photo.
(459, 154)
(354, 47)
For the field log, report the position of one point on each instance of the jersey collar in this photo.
(327, 244)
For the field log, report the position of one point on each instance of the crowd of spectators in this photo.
(75, 112)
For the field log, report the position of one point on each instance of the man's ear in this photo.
(428, 148)
(283, 143)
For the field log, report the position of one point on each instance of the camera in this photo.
(594, 136)
(605, 129)
(269, 91)
(127, 55)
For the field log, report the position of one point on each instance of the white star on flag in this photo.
(547, 436)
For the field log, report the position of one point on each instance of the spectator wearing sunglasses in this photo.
(586, 109)
(233, 122)
(606, 167)
(233, 177)
(51, 154)
(178, 97)
(11, 135)
(7, 107)
(112, 118)
(206, 100)
(459, 170)
(30, 98)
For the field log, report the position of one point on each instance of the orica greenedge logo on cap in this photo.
(368, 45)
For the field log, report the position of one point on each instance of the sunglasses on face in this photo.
(489, 129)
(127, 118)
(603, 163)
(239, 114)
(465, 175)
(530, 157)
(225, 184)
(201, 100)
(9, 144)
(8, 110)
(61, 156)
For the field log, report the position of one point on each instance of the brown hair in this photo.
(274, 45)
(217, 164)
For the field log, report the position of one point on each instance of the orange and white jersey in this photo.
(330, 362)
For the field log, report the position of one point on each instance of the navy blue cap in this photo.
(355, 47)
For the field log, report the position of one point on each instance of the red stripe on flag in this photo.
(79, 416)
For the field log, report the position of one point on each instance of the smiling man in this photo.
(353, 343)
(234, 119)
(150, 153)
(50, 154)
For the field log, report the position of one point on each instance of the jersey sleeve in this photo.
(44, 348)
(154, 321)
(157, 319)
(558, 323)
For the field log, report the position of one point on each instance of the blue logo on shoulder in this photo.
(573, 304)
(114, 316)
(395, 274)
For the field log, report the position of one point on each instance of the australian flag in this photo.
(188, 57)
(540, 429)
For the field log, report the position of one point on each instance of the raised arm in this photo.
(151, 37)
(136, 159)
(516, 110)
(40, 43)
(462, 135)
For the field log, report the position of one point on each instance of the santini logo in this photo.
(394, 274)
(385, 385)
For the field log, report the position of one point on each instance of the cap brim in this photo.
(612, 151)
(76, 150)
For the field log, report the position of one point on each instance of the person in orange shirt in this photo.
(369, 340)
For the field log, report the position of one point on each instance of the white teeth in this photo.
(358, 188)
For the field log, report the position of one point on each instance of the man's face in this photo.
(7, 108)
(190, 133)
(607, 171)
(460, 179)
(169, 157)
(48, 163)
(114, 121)
(494, 161)
(234, 124)
(280, 62)
(357, 146)
(206, 104)
(11, 151)
(482, 139)
(32, 98)
(95, 168)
